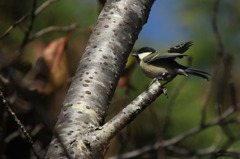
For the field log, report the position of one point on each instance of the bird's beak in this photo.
(134, 54)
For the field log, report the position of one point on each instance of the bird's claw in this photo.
(155, 79)
(164, 90)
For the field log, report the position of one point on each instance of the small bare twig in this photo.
(29, 29)
(195, 130)
(173, 97)
(170, 104)
(53, 29)
(205, 102)
(20, 125)
(202, 152)
(233, 94)
(4, 80)
(43, 6)
(15, 134)
(178, 138)
(217, 66)
(39, 10)
(215, 27)
(47, 122)
(14, 25)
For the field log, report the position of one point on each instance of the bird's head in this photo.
(143, 52)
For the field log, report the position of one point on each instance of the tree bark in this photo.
(86, 104)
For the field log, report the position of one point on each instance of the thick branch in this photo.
(128, 114)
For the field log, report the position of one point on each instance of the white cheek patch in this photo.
(142, 55)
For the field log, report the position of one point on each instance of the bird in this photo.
(162, 65)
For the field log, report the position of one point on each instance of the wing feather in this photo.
(158, 56)
(181, 48)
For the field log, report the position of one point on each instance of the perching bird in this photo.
(162, 65)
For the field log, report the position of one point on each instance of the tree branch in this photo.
(215, 27)
(86, 104)
(19, 124)
(29, 29)
(40, 9)
(52, 29)
(128, 114)
(177, 139)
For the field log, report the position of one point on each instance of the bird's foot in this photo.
(164, 90)
(154, 80)
(157, 79)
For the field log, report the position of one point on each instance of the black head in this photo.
(142, 50)
(146, 49)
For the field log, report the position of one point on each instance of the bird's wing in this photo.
(181, 48)
(158, 56)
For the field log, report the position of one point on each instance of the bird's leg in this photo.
(156, 79)
(161, 78)
(153, 81)
(164, 90)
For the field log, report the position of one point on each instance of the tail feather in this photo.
(198, 73)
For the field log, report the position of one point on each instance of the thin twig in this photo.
(43, 6)
(176, 139)
(233, 94)
(53, 29)
(205, 102)
(214, 122)
(30, 26)
(203, 152)
(14, 25)
(20, 125)
(215, 27)
(217, 64)
(170, 104)
(173, 97)
(39, 10)
(15, 134)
